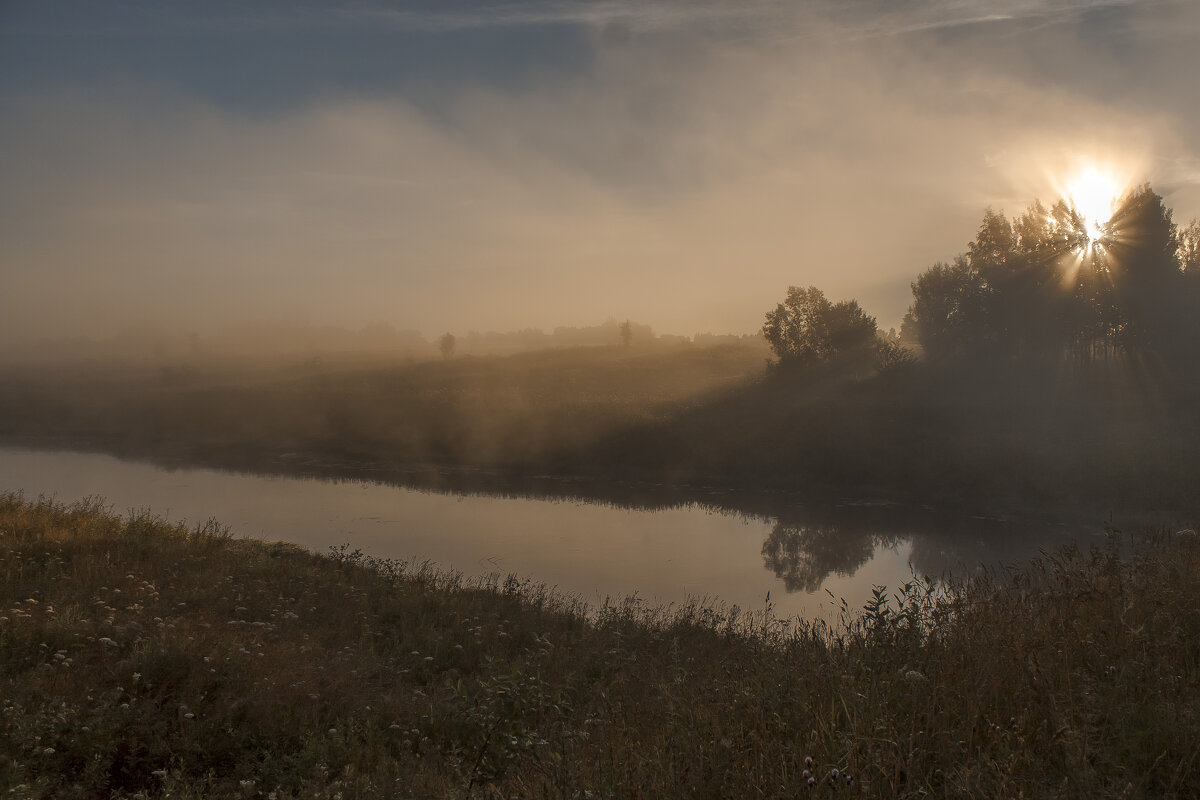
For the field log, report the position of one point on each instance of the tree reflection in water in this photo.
(803, 556)
(803, 551)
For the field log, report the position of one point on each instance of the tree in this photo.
(891, 354)
(806, 328)
(1188, 250)
(626, 332)
(1044, 285)
(447, 343)
(947, 313)
(797, 329)
(852, 332)
(992, 251)
(1142, 255)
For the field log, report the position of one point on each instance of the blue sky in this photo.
(500, 165)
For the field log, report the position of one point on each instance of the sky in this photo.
(459, 165)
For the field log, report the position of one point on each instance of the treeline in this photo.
(1051, 366)
(298, 341)
(1046, 286)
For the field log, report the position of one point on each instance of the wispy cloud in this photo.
(853, 19)
(703, 157)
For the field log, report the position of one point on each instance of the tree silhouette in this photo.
(447, 343)
(1040, 287)
(947, 315)
(1142, 248)
(806, 328)
(626, 328)
(797, 329)
(851, 330)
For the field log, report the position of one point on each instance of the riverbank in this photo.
(649, 427)
(142, 657)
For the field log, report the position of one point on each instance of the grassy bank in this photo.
(137, 657)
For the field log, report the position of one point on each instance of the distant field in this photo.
(526, 410)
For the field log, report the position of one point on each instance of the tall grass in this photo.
(141, 658)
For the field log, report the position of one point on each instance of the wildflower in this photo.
(915, 677)
(812, 782)
(808, 761)
(833, 773)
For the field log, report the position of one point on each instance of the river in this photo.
(800, 556)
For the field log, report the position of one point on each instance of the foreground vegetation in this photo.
(139, 658)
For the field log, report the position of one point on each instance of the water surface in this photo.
(799, 556)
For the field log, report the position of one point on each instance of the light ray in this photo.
(1092, 191)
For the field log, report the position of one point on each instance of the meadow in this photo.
(140, 658)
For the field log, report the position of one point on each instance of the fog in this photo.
(548, 164)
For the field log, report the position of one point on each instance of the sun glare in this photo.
(1093, 191)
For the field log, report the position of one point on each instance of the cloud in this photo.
(682, 179)
(833, 17)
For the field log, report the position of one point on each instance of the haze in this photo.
(490, 166)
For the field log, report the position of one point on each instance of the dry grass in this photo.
(143, 659)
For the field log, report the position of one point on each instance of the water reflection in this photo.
(803, 556)
(803, 550)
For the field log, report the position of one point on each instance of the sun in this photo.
(1093, 191)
